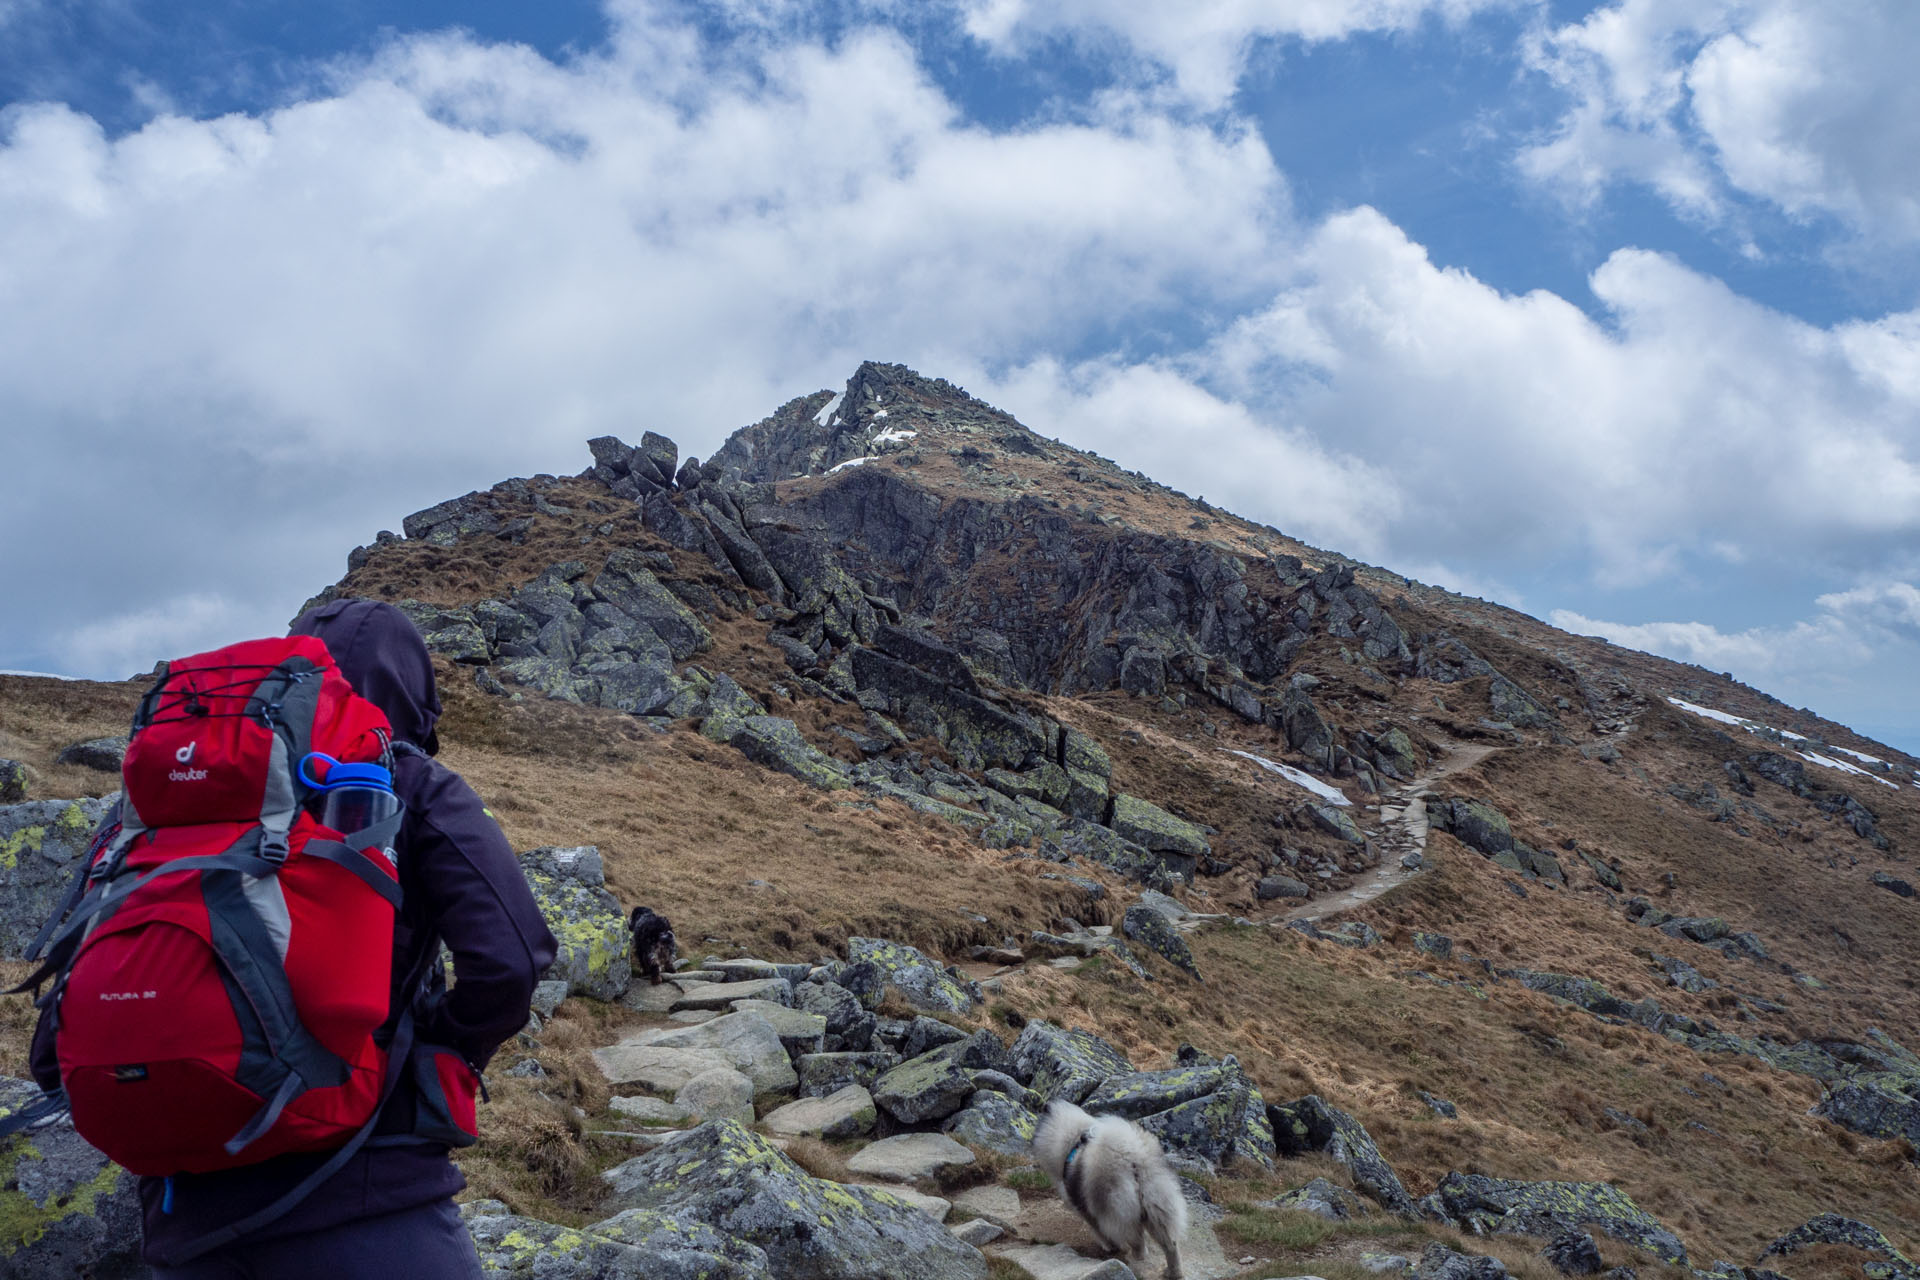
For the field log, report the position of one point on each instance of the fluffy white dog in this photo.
(1114, 1175)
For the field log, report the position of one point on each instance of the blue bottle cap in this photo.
(373, 776)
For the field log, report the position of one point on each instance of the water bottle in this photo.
(353, 797)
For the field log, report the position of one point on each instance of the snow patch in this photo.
(827, 412)
(1297, 777)
(1751, 726)
(1709, 713)
(852, 462)
(1861, 756)
(38, 675)
(1814, 757)
(895, 435)
(1768, 731)
(879, 413)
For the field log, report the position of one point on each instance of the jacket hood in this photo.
(381, 654)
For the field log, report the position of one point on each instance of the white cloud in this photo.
(1155, 420)
(1891, 609)
(1820, 645)
(131, 642)
(1202, 45)
(1517, 427)
(231, 349)
(270, 335)
(1853, 657)
(1811, 107)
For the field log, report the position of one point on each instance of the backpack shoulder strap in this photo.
(33, 1113)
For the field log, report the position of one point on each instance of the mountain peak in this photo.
(883, 409)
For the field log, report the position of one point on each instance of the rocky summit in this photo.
(976, 771)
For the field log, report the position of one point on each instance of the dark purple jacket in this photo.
(463, 886)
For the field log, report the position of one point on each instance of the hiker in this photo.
(389, 1207)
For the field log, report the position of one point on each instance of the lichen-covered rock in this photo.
(822, 1074)
(1879, 1104)
(920, 981)
(1309, 1124)
(1306, 730)
(930, 1087)
(1117, 853)
(1395, 754)
(1227, 1125)
(1063, 1064)
(1154, 829)
(1083, 751)
(849, 1025)
(13, 781)
(1480, 827)
(725, 708)
(1136, 1094)
(635, 1245)
(1320, 1198)
(1515, 706)
(993, 1121)
(65, 1209)
(776, 743)
(1583, 993)
(595, 953)
(801, 1032)
(745, 1041)
(741, 1186)
(1500, 1206)
(980, 734)
(719, 1094)
(1150, 929)
(1574, 1254)
(1336, 822)
(929, 1033)
(1831, 1228)
(1348, 933)
(845, 1113)
(1442, 1263)
(41, 843)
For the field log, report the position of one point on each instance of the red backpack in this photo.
(218, 985)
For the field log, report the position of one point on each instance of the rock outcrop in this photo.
(65, 1210)
(736, 1184)
(41, 844)
(1503, 1207)
(595, 954)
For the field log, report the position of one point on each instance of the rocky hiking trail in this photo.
(1402, 833)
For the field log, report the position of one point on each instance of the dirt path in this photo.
(1402, 830)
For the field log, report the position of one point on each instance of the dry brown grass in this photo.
(40, 718)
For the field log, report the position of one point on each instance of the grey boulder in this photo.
(41, 844)
(67, 1210)
(587, 920)
(635, 1245)
(739, 1185)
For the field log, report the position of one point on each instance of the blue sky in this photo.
(1607, 310)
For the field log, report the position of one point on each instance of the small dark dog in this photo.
(654, 947)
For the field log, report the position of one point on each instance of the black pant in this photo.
(427, 1243)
